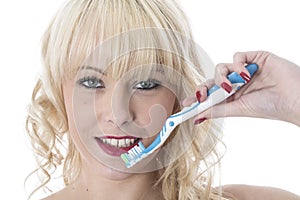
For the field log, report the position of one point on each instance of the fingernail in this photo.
(198, 96)
(245, 76)
(226, 87)
(198, 121)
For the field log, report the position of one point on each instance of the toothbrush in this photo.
(215, 96)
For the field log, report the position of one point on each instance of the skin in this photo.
(273, 93)
(265, 96)
(248, 192)
(97, 180)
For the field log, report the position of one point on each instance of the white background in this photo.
(259, 152)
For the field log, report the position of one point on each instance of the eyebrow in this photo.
(93, 68)
(160, 69)
(88, 67)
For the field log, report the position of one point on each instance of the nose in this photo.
(113, 107)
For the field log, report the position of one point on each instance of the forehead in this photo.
(152, 68)
(138, 63)
(144, 45)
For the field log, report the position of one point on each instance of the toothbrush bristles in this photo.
(133, 155)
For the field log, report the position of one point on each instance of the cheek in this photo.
(67, 94)
(76, 109)
(167, 101)
(76, 126)
(154, 115)
(155, 109)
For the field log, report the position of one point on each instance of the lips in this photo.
(115, 146)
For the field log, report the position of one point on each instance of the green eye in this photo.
(91, 82)
(147, 85)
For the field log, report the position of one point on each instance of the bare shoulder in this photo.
(60, 195)
(248, 192)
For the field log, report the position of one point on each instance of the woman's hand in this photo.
(273, 92)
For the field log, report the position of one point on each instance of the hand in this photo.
(273, 92)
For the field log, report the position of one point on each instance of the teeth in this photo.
(114, 142)
(122, 143)
(118, 142)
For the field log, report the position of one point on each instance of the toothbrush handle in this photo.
(215, 96)
(235, 78)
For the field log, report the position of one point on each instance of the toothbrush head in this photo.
(139, 151)
(134, 155)
(215, 95)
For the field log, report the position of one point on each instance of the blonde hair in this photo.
(73, 35)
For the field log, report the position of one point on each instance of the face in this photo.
(107, 117)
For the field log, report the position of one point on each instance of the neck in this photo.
(93, 185)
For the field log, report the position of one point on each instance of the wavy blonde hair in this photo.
(72, 36)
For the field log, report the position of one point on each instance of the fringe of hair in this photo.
(71, 37)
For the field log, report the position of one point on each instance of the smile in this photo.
(115, 146)
(119, 143)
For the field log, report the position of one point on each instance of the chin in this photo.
(115, 175)
(98, 169)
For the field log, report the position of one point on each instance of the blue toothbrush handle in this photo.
(215, 95)
(236, 78)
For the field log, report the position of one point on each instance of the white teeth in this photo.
(122, 143)
(118, 142)
(114, 142)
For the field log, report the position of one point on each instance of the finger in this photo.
(240, 59)
(201, 90)
(239, 62)
(188, 101)
(222, 70)
(200, 94)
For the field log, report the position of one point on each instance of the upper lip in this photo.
(123, 142)
(117, 137)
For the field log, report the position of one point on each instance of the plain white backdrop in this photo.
(259, 152)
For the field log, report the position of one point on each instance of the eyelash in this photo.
(154, 84)
(86, 81)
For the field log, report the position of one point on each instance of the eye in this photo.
(91, 82)
(147, 85)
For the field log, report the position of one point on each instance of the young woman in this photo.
(113, 72)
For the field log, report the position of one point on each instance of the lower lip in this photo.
(114, 151)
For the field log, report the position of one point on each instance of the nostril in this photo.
(122, 117)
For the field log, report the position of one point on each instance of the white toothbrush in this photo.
(215, 96)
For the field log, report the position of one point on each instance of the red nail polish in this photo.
(226, 87)
(198, 96)
(245, 76)
(198, 121)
